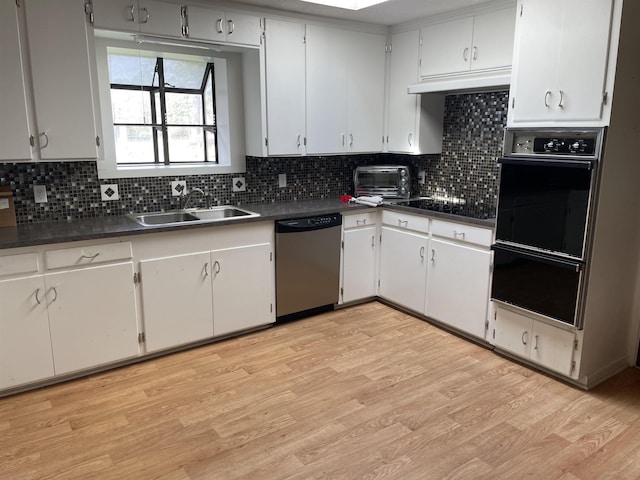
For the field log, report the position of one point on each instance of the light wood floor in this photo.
(362, 393)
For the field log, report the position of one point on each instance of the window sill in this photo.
(106, 170)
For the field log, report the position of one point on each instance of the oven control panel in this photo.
(564, 145)
(583, 143)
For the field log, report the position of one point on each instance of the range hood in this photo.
(499, 80)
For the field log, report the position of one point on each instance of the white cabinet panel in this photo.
(359, 263)
(242, 280)
(63, 97)
(285, 77)
(446, 47)
(220, 26)
(25, 342)
(561, 61)
(553, 347)
(14, 121)
(403, 268)
(92, 316)
(513, 332)
(176, 300)
(116, 14)
(458, 286)
(493, 35)
(159, 18)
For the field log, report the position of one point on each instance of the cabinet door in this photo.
(25, 342)
(206, 24)
(359, 264)
(243, 29)
(14, 121)
(116, 14)
(446, 47)
(403, 268)
(493, 39)
(326, 87)
(243, 288)
(403, 108)
(553, 347)
(513, 332)
(58, 48)
(285, 60)
(176, 300)
(160, 18)
(365, 91)
(92, 314)
(458, 285)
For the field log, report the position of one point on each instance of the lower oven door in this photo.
(544, 284)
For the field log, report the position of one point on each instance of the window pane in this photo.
(186, 144)
(210, 138)
(184, 73)
(156, 97)
(209, 111)
(130, 106)
(134, 144)
(184, 109)
(131, 69)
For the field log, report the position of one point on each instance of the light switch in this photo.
(282, 180)
(40, 194)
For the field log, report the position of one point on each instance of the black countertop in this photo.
(26, 235)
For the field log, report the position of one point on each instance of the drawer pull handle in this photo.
(361, 222)
(535, 345)
(217, 266)
(402, 223)
(232, 27)
(90, 257)
(560, 103)
(433, 254)
(219, 26)
(458, 234)
(55, 294)
(131, 12)
(373, 241)
(37, 296)
(546, 98)
(524, 337)
(422, 253)
(206, 269)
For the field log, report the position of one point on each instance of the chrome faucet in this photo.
(187, 198)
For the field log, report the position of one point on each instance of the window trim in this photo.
(229, 112)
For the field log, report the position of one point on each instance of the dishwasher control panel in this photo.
(309, 223)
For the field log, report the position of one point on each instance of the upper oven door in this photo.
(543, 204)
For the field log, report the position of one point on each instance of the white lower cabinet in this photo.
(548, 346)
(243, 288)
(359, 257)
(176, 300)
(403, 267)
(458, 285)
(25, 341)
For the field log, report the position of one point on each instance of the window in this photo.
(171, 109)
(163, 109)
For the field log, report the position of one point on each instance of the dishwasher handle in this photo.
(307, 224)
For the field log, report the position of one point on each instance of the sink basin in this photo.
(196, 215)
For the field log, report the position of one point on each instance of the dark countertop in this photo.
(26, 235)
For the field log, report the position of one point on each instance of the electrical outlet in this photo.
(109, 192)
(178, 187)
(282, 180)
(422, 177)
(239, 184)
(40, 194)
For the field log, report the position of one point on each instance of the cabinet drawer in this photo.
(365, 219)
(87, 255)
(18, 264)
(404, 221)
(461, 232)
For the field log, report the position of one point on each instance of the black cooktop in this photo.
(454, 208)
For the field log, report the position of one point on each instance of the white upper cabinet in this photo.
(481, 42)
(414, 122)
(220, 26)
(61, 78)
(145, 16)
(345, 90)
(560, 62)
(285, 87)
(14, 128)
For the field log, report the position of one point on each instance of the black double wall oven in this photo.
(548, 181)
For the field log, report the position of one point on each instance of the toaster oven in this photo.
(387, 181)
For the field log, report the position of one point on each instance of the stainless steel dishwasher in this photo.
(307, 265)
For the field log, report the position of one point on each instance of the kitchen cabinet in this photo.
(414, 122)
(458, 276)
(544, 344)
(285, 87)
(403, 263)
(25, 341)
(144, 16)
(220, 26)
(176, 300)
(560, 68)
(344, 90)
(15, 130)
(480, 42)
(243, 288)
(359, 256)
(61, 79)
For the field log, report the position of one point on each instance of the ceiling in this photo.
(393, 12)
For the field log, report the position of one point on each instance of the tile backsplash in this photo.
(467, 170)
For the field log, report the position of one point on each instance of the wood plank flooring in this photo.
(366, 392)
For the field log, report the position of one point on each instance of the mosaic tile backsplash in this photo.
(467, 170)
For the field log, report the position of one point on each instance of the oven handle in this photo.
(548, 162)
(575, 265)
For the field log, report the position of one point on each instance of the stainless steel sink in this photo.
(195, 215)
